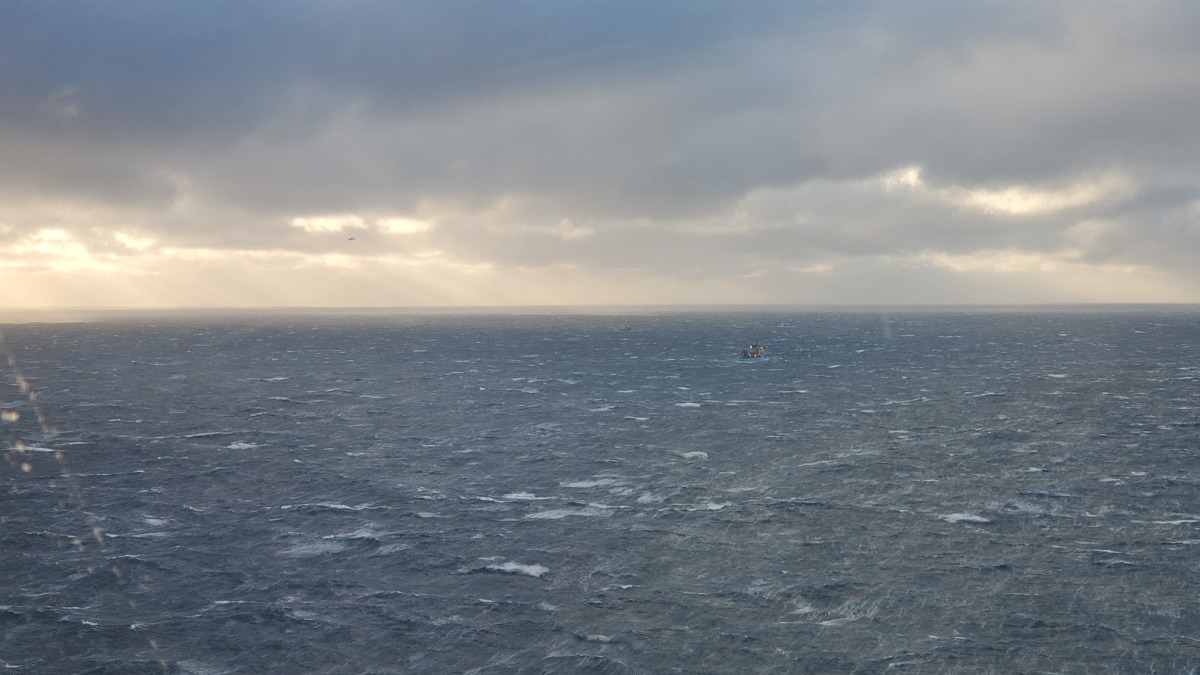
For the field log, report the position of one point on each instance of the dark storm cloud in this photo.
(223, 67)
(144, 86)
(131, 89)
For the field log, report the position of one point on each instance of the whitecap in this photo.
(558, 514)
(600, 482)
(964, 518)
(239, 445)
(817, 463)
(360, 533)
(316, 548)
(696, 454)
(391, 548)
(687, 404)
(522, 496)
(208, 434)
(326, 506)
(535, 571)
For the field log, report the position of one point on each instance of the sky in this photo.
(443, 153)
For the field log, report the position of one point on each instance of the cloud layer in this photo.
(422, 153)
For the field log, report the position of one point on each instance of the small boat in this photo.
(754, 351)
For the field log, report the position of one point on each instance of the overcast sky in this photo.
(570, 152)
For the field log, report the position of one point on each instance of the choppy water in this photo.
(923, 492)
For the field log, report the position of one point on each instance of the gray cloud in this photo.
(691, 138)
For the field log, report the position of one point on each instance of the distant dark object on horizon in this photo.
(755, 351)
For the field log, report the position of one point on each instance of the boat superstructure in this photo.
(754, 351)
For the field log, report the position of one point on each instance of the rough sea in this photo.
(911, 491)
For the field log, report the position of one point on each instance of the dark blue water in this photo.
(922, 492)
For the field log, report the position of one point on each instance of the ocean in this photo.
(972, 490)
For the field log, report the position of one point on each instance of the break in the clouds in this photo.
(585, 152)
